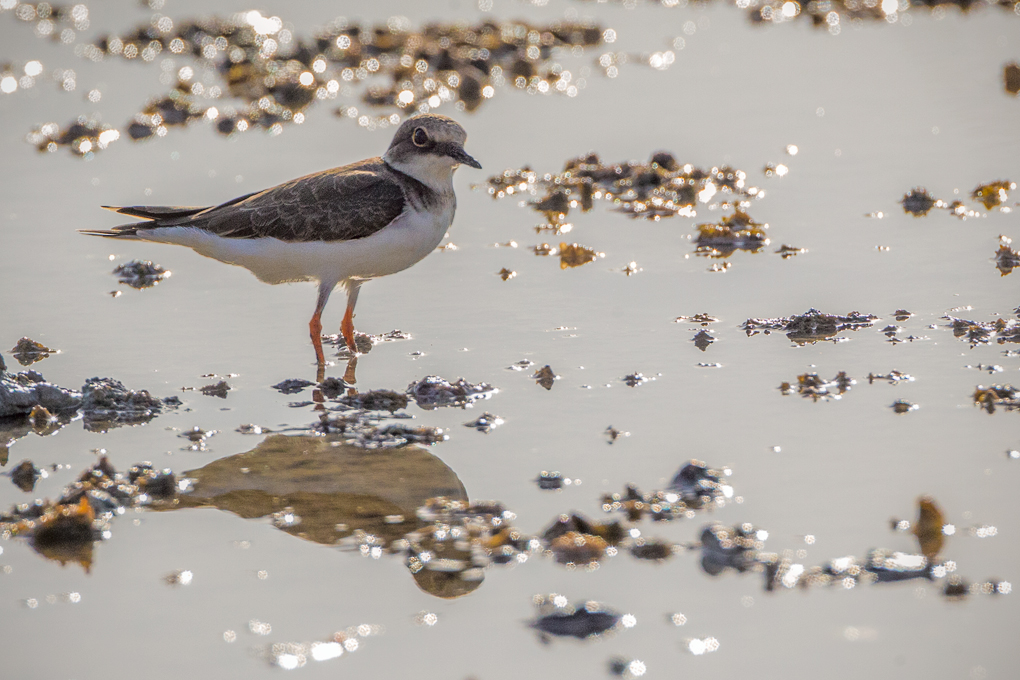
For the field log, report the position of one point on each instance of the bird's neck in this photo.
(433, 171)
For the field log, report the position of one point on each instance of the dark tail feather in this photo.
(126, 231)
(156, 212)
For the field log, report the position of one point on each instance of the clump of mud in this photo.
(557, 617)
(28, 352)
(29, 403)
(811, 386)
(21, 392)
(106, 404)
(140, 274)
(1007, 258)
(1001, 330)
(486, 423)
(368, 433)
(1011, 78)
(433, 392)
(809, 327)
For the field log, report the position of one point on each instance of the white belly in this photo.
(402, 243)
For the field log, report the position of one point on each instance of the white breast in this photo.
(402, 243)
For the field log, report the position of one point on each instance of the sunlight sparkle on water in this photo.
(323, 651)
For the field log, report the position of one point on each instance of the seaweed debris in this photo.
(702, 318)
(809, 327)
(1006, 258)
(660, 188)
(140, 274)
(66, 530)
(992, 195)
(574, 255)
(28, 351)
(811, 386)
(892, 377)
(836, 15)
(786, 252)
(545, 377)
(1001, 330)
(918, 202)
(694, 487)
(989, 398)
(733, 232)
(251, 71)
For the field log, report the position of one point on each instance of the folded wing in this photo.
(342, 204)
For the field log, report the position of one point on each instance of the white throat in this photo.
(435, 172)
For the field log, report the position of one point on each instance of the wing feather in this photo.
(351, 202)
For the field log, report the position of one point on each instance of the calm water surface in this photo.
(874, 111)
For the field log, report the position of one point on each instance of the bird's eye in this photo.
(420, 137)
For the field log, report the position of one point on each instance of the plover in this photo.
(341, 226)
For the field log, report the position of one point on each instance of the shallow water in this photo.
(875, 111)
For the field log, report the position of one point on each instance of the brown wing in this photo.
(342, 204)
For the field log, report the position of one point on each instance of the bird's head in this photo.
(429, 148)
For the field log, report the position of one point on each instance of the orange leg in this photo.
(347, 326)
(315, 325)
(315, 330)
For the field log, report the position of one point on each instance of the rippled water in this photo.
(874, 111)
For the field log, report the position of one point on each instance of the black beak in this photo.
(458, 154)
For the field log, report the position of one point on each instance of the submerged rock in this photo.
(20, 393)
(106, 403)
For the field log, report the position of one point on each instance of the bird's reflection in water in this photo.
(322, 489)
